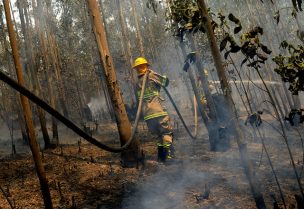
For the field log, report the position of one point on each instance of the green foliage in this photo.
(232, 18)
(291, 68)
(254, 51)
(184, 17)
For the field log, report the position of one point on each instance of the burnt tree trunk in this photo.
(27, 113)
(254, 184)
(210, 123)
(123, 123)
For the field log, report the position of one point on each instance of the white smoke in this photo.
(97, 106)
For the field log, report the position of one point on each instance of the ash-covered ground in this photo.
(86, 177)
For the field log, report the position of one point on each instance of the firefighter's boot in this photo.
(169, 152)
(161, 156)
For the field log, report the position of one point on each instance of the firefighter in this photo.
(156, 117)
(211, 89)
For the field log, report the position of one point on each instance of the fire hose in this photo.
(193, 136)
(25, 92)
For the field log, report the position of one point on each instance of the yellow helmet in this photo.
(140, 61)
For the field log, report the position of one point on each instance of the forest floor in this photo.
(88, 177)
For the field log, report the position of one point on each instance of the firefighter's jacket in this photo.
(152, 107)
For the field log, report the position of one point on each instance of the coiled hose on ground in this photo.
(25, 92)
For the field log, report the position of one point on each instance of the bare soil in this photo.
(86, 177)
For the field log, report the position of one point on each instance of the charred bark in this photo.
(209, 123)
(133, 154)
(254, 185)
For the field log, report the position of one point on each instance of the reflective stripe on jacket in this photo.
(152, 107)
(155, 115)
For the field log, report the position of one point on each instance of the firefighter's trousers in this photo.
(162, 128)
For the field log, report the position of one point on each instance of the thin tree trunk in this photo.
(56, 62)
(71, 67)
(10, 67)
(41, 26)
(123, 123)
(138, 31)
(27, 113)
(291, 98)
(257, 20)
(106, 95)
(269, 70)
(31, 65)
(127, 50)
(184, 76)
(254, 185)
(54, 55)
(22, 123)
(152, 47)
(280, 33)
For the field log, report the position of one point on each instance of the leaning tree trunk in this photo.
(100, 73)
(254, 185)
(5, 45)
(123, 123)
(27, 113)
(213, 123)
(210, 123)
